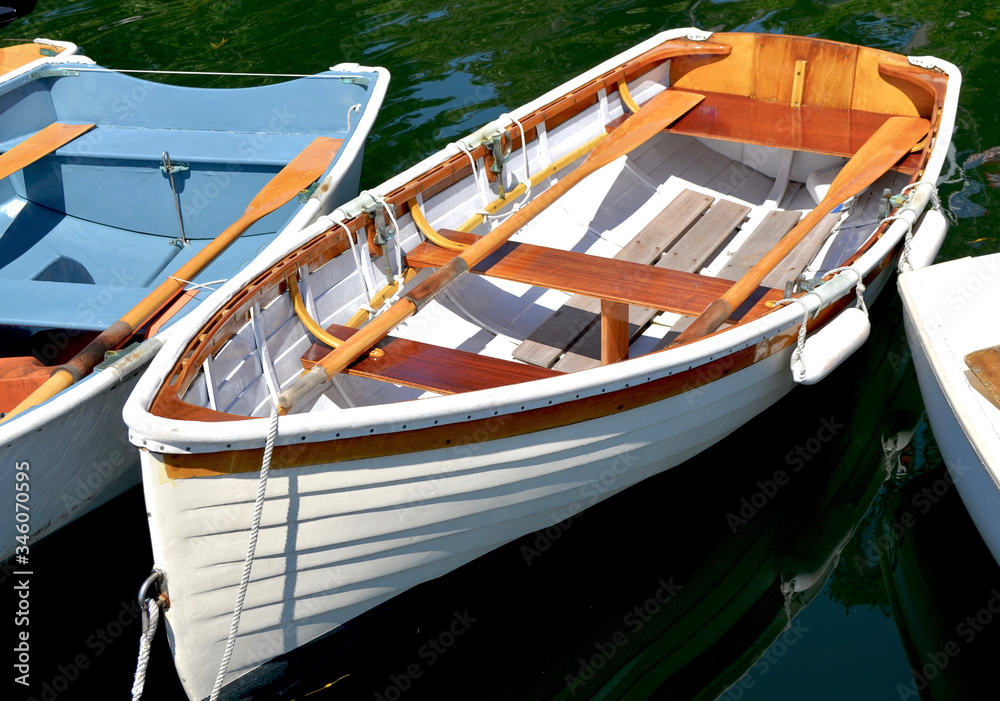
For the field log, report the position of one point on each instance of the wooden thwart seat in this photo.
(808, 128)
(579, 313)
(985, 364)
(688, 255)
(430, 367)
(604, 278)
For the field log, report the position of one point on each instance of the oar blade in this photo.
(654, 116)
(301, 172)
(39, 145)
(890, 143)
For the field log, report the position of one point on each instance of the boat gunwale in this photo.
(290, 453)
(402, 187)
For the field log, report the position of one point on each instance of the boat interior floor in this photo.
(673, 213)
(58, 271)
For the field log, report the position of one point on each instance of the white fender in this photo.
(830, 346)
(928, 236)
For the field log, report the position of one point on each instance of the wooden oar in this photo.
(296, 176)
(39, 144)
(651, 119)
(884, 148)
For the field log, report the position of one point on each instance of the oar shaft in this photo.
(304, 169)
(168, 289)
(74, 370)
(745, 286)
(338, 359)
(660, 111)
(891, 142)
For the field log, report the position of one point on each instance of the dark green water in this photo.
(565, 612)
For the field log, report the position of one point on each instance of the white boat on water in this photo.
(950, 316)
(613, 225)
(94, 226)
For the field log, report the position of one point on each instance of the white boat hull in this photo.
(76, 455)
(949, 311)
(377, 486)
(338, 539)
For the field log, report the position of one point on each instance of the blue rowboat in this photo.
(90, 227)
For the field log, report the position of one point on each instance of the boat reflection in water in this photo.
(672, 589)
(945, 600)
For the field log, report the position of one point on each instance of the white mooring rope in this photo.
(251, 547)
(904, 264)
(153, 609)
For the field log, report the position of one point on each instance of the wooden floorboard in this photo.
(796, 261)
(774, 227)
(698, 246)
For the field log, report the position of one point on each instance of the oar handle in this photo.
(717, 312)
(78, 367)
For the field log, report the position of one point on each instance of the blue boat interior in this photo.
(90, 229)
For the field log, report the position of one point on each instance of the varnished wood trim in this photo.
(228, 320)
(556, 112)
(457, 435)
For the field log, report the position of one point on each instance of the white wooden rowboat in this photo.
(514, 396)
(949, 311)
